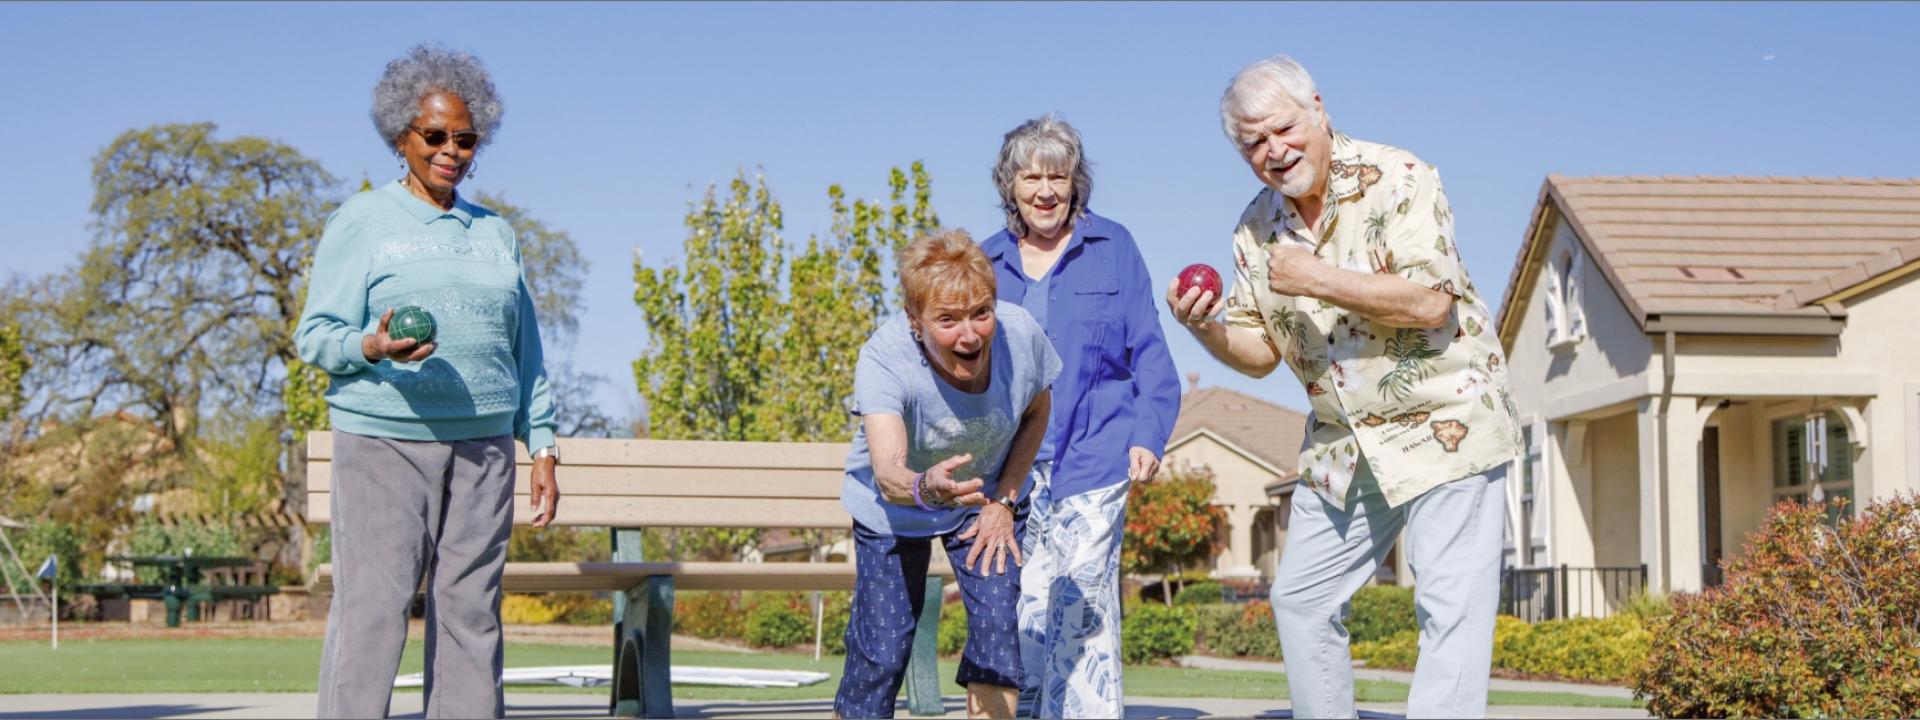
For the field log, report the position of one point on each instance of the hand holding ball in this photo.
(405, 334)
(1200, 275)
(1194, 296)
(411, 323)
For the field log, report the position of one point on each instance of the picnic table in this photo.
(185, 583)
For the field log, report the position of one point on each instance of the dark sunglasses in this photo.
(435, 137)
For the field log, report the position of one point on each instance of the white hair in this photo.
(427, 69)
(1259, 87)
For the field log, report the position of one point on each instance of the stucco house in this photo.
(1251, 446)
(1687, 351)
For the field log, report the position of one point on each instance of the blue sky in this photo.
(619, 115)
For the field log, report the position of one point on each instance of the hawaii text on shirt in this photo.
(1424, 407)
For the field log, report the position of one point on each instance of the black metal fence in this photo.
(1244, 591)
(1548, 593)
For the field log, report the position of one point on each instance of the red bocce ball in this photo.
(1200, 275)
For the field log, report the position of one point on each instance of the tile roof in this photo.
(1688, 245)
(1270, 431)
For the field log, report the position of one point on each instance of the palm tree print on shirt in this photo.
(1413, 362)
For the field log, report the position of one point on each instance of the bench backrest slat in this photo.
(664, 483)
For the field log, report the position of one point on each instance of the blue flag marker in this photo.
(50, 568)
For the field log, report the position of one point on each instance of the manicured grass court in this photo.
(292, 665)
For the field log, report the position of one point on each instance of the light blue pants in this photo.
(1454, 535)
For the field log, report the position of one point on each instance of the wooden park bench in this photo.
(627, 485)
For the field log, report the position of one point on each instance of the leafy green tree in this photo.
(1171, 524)
(714, 323)
(180, 303)
(178, 308)
(13, 364)
(747, 344)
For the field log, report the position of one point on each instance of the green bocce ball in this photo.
(411, 323)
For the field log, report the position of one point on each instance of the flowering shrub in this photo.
(710, 615)
(1171, 522)
(1239, 630)
(517, 609)
(1814, 620)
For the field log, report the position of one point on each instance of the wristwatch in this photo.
(552, 451)
(1008, 503)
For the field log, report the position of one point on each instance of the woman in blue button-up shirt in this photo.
(1081, 276)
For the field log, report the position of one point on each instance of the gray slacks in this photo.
(1454, 537)
(400, 509)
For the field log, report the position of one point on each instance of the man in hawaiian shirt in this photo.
(1346, 270)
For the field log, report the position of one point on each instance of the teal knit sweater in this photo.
(385, 248)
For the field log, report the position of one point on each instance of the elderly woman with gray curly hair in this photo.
(424, 422)
(1081, 277)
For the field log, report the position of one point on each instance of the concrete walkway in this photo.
(1401, 676)
(571, 705)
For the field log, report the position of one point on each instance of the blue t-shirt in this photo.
(894, 378)
(1035, 303)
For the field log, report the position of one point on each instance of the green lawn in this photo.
(292, 665)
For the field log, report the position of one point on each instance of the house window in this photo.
(1796, 461)
(1566, 309)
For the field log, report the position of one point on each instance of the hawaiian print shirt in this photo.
(1423, 407)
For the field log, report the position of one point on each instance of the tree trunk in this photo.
(297, 551)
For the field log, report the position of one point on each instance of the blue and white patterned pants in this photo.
(890, 585)
(1070, 600)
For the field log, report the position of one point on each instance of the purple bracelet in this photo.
(919, 480)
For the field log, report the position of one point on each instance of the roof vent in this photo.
(1712, 274)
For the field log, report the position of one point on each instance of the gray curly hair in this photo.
(427, 69)
(1043, 142)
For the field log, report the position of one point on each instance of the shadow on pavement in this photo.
(141, 712)
(728, 708)
(1364, 715)
(1136, 710)
(538, 711)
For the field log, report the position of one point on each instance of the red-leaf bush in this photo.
(1814, 620)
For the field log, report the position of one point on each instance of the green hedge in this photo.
(762, 619)
(1380, 612)
(1156, 632)
(1586, 649)
(1200, 593)
(953, 629)
(779, 625)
